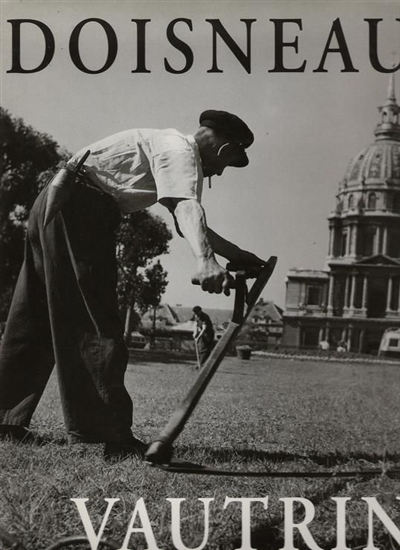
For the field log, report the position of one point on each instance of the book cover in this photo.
(313, 80)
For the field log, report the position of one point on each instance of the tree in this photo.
(153, 288)
(27, 159)
(141, 238)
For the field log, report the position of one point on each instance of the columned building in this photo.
(357, 296)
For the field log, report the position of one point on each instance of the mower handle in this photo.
(161, 450)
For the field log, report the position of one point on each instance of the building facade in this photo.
(357, 296)
(264, 325)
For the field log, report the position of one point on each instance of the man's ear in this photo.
(224, 148)
(228, 150)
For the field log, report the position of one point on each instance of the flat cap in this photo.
(233, 128)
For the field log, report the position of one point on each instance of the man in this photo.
(203, 335)
(64, 309)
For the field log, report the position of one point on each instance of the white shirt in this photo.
(139, 167)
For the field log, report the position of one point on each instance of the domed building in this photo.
(357, 297)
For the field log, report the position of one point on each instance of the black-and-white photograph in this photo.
(200, 275)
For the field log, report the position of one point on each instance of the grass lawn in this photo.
(260, 414)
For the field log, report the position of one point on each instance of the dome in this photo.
(380, 162)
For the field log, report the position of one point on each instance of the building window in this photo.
(351, 201)
(358, 295)
(394, 302)
(343, 244)
(368, 241)
(394, 244)
(372, 201)
(313, 295)
(396, 202)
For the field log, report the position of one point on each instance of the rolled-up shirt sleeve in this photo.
(176, 169)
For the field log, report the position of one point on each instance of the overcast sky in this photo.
(307, 126)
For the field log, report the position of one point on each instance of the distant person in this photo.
(341, 347)
(203, 335)
(324, 345)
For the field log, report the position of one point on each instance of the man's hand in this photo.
(213, 278)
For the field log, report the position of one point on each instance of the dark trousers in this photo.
(64, 311)
(205, 346)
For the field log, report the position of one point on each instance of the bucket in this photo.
(243, 352)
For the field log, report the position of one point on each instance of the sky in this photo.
(307, 125)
